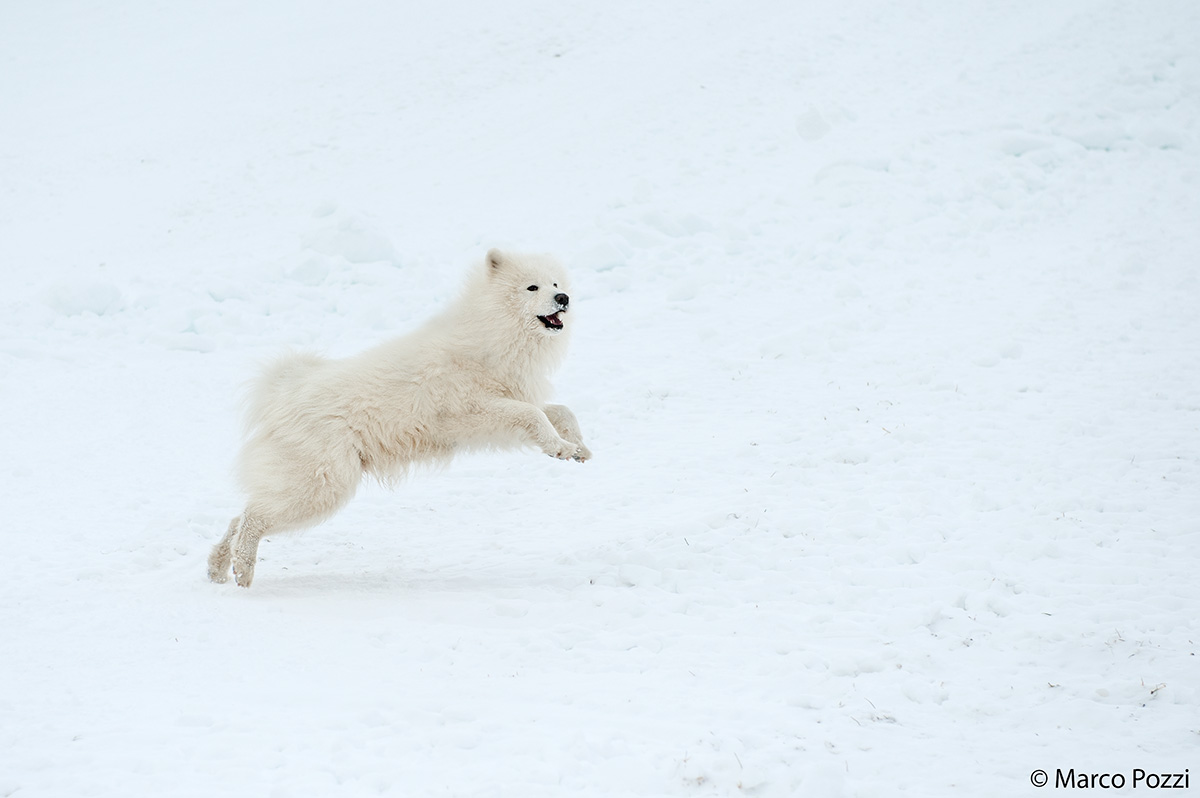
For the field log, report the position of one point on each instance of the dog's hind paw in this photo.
(243, 576)
(218, 565)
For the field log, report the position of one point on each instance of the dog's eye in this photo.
(532, 288)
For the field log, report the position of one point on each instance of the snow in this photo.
(887, 348)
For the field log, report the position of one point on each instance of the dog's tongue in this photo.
(554, 319)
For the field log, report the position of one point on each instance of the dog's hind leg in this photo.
(300, 498)
(218, 560)
(245, 548)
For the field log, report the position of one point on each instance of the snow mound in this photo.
(97, 298)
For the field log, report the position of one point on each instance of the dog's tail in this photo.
(277, 393)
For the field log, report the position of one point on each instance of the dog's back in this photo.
(272, 395)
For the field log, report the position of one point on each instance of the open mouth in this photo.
(552, 322)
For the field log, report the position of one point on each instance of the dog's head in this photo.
(535, 287)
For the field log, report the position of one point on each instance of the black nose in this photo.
(562, 299)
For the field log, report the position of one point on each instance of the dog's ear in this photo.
(495, 259)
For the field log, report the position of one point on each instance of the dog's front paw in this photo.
(564, 450)
(582, 455)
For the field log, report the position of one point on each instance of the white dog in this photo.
(475, 376)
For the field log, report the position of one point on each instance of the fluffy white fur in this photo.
(474, 376)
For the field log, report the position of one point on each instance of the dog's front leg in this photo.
(527, 422)
(567, 425)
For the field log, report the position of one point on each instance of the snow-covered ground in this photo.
(888, 347)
